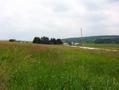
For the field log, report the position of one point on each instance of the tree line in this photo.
(107, 41)
(46, 40)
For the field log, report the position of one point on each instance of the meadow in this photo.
(56, 67)
(107, 46)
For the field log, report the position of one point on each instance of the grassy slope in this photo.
(39, 67)
(107, 46)
(91, 39)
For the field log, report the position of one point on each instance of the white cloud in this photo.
(24, 19)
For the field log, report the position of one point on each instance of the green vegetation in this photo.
(95, 39)
(43, 67)
(106, 46)
(46, 40)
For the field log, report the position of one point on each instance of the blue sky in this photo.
(24, 19)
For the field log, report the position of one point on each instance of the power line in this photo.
(81, 38)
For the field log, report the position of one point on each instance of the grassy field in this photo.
(43, 67)
(107, 46)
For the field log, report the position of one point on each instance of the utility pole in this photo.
(81, 38)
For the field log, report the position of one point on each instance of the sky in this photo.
(25, 19)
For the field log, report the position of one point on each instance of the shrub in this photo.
(12, 40)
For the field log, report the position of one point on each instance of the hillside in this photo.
(92, 39)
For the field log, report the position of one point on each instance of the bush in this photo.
(12, 40)
(46, 40)
(36, 40)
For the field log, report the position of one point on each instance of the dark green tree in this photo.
(44, 40)
(12, 40)
(59, 41)
(36, 40)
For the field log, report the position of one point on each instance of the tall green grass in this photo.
(58, 68)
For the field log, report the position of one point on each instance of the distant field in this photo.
(45, 67)
(107, 46)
